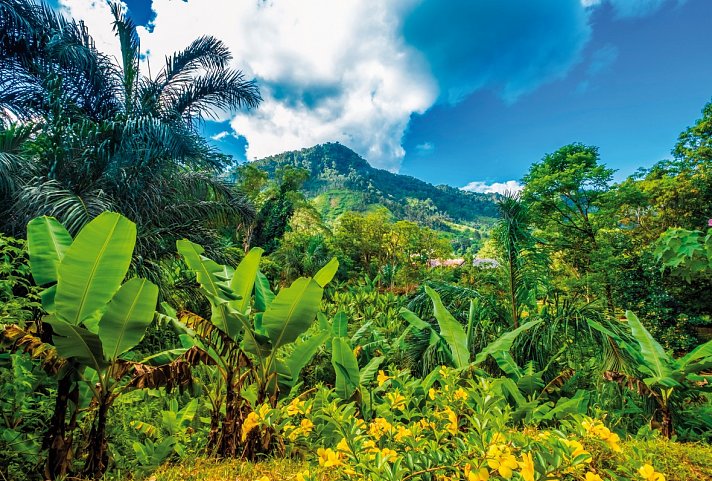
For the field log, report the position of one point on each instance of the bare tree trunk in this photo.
(98, 460)
(58, 439)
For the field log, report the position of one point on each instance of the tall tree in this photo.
(516, 243)
(109, 137)
(566, 192)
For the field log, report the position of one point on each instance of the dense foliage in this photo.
(308, 317)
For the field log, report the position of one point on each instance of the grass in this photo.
(678, 461)
(205, 469)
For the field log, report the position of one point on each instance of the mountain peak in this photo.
(341, 180)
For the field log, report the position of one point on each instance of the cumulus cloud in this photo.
(355, 71)
(495, 187)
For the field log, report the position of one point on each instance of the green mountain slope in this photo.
(340, 180)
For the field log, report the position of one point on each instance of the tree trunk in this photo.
(58, 439)
(98, 459)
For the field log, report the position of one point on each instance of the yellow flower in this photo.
(250, 423)
(328, 457)
(596, 428)
(527, 467)
(481, 475)
(403, 433)
(303, 475)
(460, 394)
(264, 478)
(612, 440)
(357, 351)
(389, 455)
(648, 473)
(499, 458)
(591, 476)
(343, 446)
(575, 446)
(382, 377)
(264, 410)
(431, 393)
(396, 400)
(379, 427)
(295, 407)
(306, 426)
(452, 421)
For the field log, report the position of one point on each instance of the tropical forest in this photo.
(169, 312)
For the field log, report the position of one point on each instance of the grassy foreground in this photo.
(678, 461)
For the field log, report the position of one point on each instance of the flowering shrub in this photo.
(443, 428)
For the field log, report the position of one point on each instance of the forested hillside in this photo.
(293, 321)
(340, 180)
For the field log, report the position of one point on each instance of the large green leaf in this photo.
(292, 311)
(699, 356)
(340, 324)
(346, 367)
(243, 280)
(263, 294)
(504, 342)
(129, 313)
(93, 267)
(506, 363)
(656, 359)
(77, 343)
(211, 277)
(47, 241)
(303, 353)
(451, 330)
(327, 273)
(369, 370)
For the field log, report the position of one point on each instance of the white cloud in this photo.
(495, 187)
(221, 135)
(328, 71)
(349, 70)
(425, 148)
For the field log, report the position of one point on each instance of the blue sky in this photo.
(459, 92)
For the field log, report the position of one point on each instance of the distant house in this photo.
(445, 262)
(485, 263)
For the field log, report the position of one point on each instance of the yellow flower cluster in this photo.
(396, 400)
(596, 428)
(254, 419)
(379, 427)
(293, 432)
(451, 417)
(402, 433)
(500, 458)
(576, 448)
(328, 457)
(480, 475)
(382, 377)
(648, 473)
(297, 406)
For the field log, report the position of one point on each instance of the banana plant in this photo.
(656, 374)
(93, 320)
(452, 338)
(350, 379)
(255, 341)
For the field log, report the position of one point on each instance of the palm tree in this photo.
(513, 237)
(107, 137)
